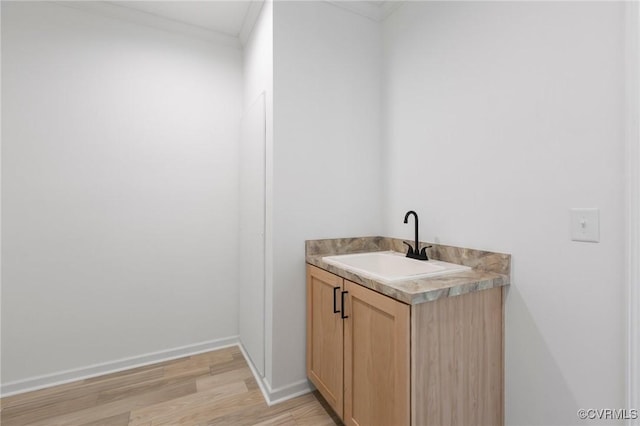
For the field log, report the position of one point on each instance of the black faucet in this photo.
(415, 252)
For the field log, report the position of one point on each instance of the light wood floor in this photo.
(214, 388)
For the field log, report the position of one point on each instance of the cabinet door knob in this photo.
(342, 300)
(335, 308)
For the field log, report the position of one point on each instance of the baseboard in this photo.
(281, 394)
(261, 380)
(67, 376)
(284, 393)
(272, 396)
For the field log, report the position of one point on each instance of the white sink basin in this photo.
(390, 266)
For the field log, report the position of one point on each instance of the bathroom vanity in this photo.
(420, 351)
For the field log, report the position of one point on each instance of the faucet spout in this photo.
(414, 252)
(406, 220)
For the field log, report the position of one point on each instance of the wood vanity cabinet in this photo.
(358, 350)
(392, 364)
(325, 341)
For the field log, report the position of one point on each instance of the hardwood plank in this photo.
(186, 406)
(208, 382)
(247, 416)
(227, 366)
(183, 369)
(118, 379)
(285, 419)
(118, 407)
(117, 420)
(245, 413)
(312, 415)
(133, 389)
(81, 388)
(47, 395)
(252, 384)
(176, 392)
(26, 414)
(219, 356)
(188, 368)
(208, 410)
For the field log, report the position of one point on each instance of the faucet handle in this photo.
(410, 251)
(423, 252)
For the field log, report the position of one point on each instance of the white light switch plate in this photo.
(585, 225)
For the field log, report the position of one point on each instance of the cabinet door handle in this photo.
(342, 315)
(335, 308)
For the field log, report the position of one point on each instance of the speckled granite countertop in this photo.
(489, 269)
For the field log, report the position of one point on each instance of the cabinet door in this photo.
(376, 358)
(325, 335)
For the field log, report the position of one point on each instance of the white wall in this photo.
(632, 154)
(326, 160)
(499, 118)
(119, 189)
(258, 87)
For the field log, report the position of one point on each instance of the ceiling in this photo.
(225, 17)
(225, 21)
(376, 10)
(232, 17)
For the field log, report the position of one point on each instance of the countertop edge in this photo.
(462, 283)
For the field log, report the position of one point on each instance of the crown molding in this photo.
(388, 7)
(114, 10)
(250, 19)
(370, 10)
